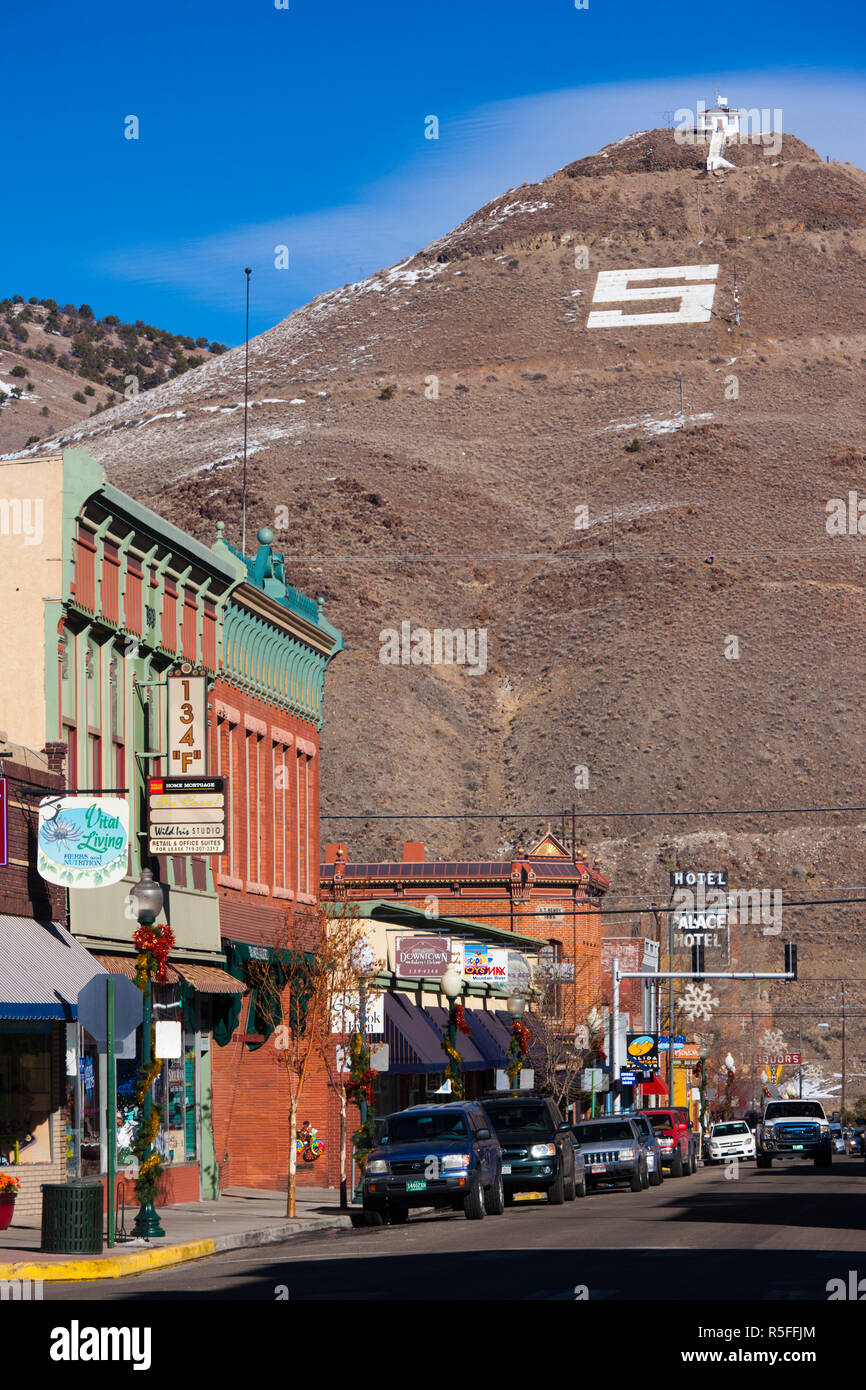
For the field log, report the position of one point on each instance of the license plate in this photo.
(416, 1187)
(598, 1168)
(798, 1146)
(506, 1167)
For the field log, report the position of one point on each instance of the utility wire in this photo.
(581, 815)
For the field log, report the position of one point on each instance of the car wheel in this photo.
(398, 1213)
(581, 1186)
(374, 1216)
(473, 1205)
(636, 1183)
(644, 1178)
(764, 1160)
(677, 1166)
(571, 1188)
(693, 1162)
(655, 1177)
(494, 1197)
(556, 1191)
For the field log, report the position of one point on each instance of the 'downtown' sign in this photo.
(83, 840)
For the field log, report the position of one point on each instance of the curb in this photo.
(143, 1261)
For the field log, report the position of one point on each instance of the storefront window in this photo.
(25, 1097)
(90, 1106)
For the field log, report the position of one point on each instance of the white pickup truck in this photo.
(794, 1129)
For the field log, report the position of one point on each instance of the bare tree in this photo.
(555, 1050)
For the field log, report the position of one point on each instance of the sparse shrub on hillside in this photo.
(387, 393)
(18, 371)
(34, 439)
(44, 410)
(112, 320)
(201, 342)
(80, 397)
(633, 447)
(218, 348)
(89, 391)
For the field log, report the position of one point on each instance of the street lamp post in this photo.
(515, 1006)
(451, 984)
(704, 1050)
(148, 899)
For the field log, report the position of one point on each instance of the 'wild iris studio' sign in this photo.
(83, 840)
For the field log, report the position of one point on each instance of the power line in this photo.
(584, 815)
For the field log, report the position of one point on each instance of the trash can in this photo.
(72, 1217)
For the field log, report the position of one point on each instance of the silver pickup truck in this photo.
(794, 1129)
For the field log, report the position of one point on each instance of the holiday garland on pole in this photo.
(153, 945)
(359, 1088)
(517, 1050)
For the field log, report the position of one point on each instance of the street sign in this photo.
(642, 1049)
(187, 723)
(784, 1059)
(627, 1078)
(665, 1042)
(185, 815)
(93, 1013)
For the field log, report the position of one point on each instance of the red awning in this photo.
(655, 1087)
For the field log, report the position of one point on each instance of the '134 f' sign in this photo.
(696, 297)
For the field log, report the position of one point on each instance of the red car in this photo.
(677, 1140)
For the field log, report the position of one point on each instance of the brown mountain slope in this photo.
(431, 431)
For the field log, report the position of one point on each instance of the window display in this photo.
(25, 1097)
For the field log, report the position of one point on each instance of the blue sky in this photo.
(305, 127)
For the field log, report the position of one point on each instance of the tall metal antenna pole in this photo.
(247, 272)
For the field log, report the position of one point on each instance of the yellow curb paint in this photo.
(136, 1262)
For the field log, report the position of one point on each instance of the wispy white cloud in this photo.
(476, 158)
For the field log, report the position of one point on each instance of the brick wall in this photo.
(262, 902)
(22, 892)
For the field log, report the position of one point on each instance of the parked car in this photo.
(613, 1151)
(434, 1155)
(729, 1139)
(677, 1139)
(838, 1139)
(652, 1147)
(538, 1153)
(856, 1140)
(794, 1129)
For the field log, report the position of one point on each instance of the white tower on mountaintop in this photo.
(722, 124)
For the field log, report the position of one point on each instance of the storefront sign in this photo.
(421, 957)
(690, 878)
(784, 1059)
(346, 1013)
(642, 1049)
(83, 840)
(187, 724)
(185, 815)
(691, 1052)
(481, 962)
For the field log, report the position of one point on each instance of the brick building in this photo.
(547, 893)
(267, 707)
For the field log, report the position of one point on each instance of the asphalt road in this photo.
(765, 1235)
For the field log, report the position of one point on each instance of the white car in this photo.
(729, 1139)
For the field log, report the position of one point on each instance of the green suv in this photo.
(538, 1151)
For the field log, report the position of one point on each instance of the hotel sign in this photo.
(185, 815)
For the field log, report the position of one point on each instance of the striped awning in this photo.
(207, 979)
(42, 969)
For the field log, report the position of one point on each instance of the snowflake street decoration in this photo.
(773, 1040)
(698, 1001)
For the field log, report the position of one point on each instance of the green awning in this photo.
(266, 970)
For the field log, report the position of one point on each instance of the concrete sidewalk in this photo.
(242, 1217)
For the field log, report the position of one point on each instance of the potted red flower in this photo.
(8, 1192)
